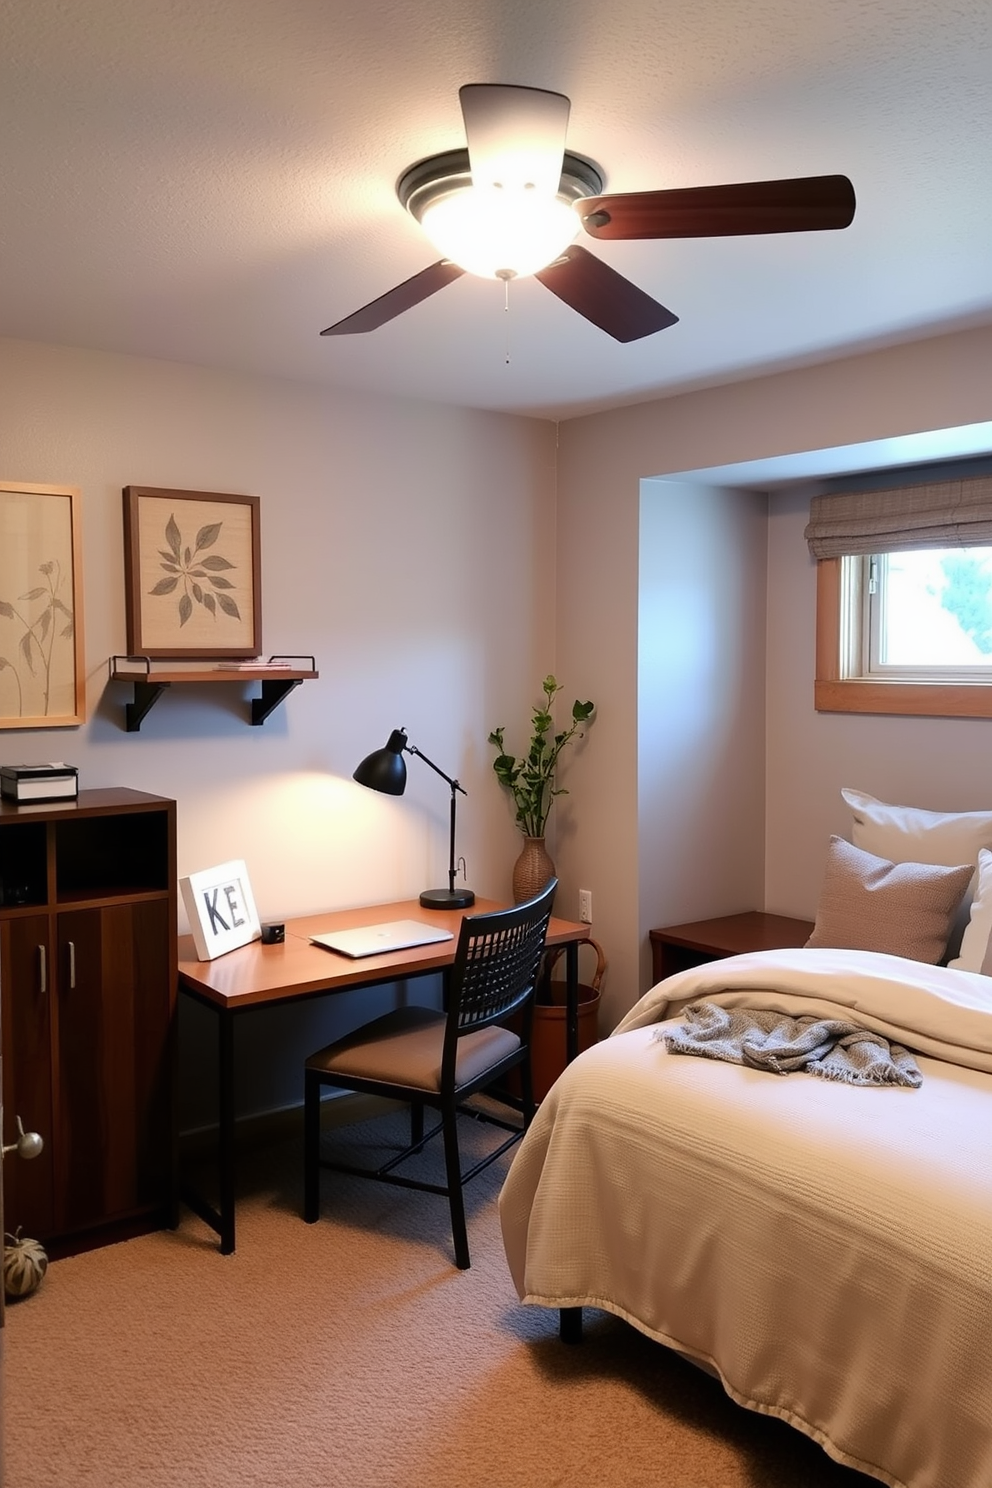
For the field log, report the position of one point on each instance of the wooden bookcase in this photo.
(88, 977)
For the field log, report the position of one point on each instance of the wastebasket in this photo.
(547, 1038)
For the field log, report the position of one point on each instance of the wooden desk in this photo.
(259, 975)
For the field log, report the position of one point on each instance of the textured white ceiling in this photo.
(212, 181)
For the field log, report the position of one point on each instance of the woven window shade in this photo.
(938, 514)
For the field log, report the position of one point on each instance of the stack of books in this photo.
(55, 782)
(253, 664)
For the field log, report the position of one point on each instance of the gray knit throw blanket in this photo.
(828, 1047)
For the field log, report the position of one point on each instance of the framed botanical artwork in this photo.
(42, 670)
(192, 573)
(221, 909)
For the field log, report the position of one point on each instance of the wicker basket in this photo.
(547, 1039)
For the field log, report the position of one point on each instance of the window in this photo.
(904, 599)
(928, 613)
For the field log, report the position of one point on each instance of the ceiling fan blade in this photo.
(395, 301)
(516, 136)
(605, 297)
(805, 204)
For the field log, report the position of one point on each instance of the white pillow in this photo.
(908, 834)
(976, 944)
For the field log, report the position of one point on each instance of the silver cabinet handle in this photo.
(72, 963)
(42, 969)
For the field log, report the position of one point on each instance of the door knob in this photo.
(28, 1144)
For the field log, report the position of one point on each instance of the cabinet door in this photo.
(26, 985)
(113, 1093)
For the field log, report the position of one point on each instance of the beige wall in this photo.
(422, 555)
(700, 708)
(943, 764)
(934, 384)
(408, 546)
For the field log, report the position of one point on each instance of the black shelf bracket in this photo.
(146, 694)
(274, 689)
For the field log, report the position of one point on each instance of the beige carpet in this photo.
(352, 1352)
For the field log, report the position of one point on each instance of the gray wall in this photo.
(408, 546)
(439, 562)
(942, 764)
(701, 689)
(926, 385)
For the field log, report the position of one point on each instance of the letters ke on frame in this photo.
(221, 909)
(192, 574)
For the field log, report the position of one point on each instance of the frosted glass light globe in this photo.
(498, 232)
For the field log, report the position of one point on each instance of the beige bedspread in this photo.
(826, 1248)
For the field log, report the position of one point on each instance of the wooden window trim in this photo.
(835, 692)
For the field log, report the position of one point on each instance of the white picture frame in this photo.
(221, 909)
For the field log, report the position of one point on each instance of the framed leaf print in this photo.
(192, 573)
(42, 670)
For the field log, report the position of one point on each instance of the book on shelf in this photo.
(54, 782)
(258, 664)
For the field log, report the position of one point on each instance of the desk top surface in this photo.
(258, 973)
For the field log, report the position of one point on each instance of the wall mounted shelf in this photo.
(150, 679)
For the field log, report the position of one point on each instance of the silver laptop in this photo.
(379, 940)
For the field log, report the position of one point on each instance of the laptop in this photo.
(379, 940)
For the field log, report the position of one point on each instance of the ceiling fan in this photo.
(515, 200)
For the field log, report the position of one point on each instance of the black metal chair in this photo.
(426, 1057)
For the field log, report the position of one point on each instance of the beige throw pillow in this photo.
(870, 904)
(908, 834)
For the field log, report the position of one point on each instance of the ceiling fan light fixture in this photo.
(496, 231)
(514, 201)
(500, 232)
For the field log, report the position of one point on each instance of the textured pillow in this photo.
(976, 944)
(870, 904)
(907, 834)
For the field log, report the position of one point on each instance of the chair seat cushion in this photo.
(405, 1047)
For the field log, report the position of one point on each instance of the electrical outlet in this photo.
(585, 906)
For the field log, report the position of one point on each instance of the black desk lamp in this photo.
(385, 770)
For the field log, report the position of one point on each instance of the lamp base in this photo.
(447, 898)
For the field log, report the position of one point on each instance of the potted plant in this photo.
(531, 782)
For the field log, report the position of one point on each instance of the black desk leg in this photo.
(571, 1000)
(225, 1085)
(221, 1217)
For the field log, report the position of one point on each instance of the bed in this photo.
(824, 1248)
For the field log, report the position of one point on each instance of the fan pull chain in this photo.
(506, 312)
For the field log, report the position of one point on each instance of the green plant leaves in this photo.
(531, 778)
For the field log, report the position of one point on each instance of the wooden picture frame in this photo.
(221, 909)
(192, 574)
(42, 666)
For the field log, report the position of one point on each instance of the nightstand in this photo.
(677, 947)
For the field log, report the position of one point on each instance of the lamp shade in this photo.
(385, 769)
